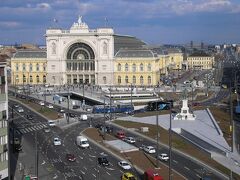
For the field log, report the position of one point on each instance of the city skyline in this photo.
(155, 22)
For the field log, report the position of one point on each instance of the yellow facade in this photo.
(136, 71)
(176, 60)
(28, 69)
(200, 62)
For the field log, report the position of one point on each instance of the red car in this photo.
(71, 157)
(120, 134)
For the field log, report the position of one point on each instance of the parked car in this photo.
(50, 106)
(29, 117)
(128, 176)
(103, 161)
(16, 106)
(120, 134)
(106, 129)
(20, 110)
(125, 165)
(61, 110)
(70, 157)
(163, 157)
(47, 129)
(130, 140)
(51, 123)
(149, 149)
(83, 117)
(76, 106)
(72, 115)
(41, 103)
(57, 141)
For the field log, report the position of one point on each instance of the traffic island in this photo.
(140, 160)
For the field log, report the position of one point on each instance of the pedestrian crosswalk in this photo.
(70, 174)
(30, 129)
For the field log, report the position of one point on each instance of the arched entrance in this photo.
(80, 65)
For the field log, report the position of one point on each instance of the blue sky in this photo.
(154, 21)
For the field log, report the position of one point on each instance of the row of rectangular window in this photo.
(30, 67)
(3, 140)
(3, 156)
(134, 80)
(81, 66)
(134, 67)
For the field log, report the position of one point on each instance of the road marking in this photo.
(94, 175)
(82, 172)
(84, 168)
(186, 168)
(108, 173)
(90, 159)
(80, 157)
(175, 161)
(111, 169)
(91, 156)
(121, 171)
(198, 175)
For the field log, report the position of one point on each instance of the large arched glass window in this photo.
(24, 67)
(141, 67)
(134, 80)
(126, 79)
(149, 67)
(119, 67)
(149, 80)
(134, 67)
(119, 80)
(126, 67)
(31, 79)
(141, 80)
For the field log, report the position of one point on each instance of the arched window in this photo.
(134, 80)
(134, 67)
(53, 48)
(30, 67)
(24, 78)
(149, 80)
(37, 78)
(104, 80)
(149, 67)
(119, 67)
(37, 67)
(105, 46)
(44, 79)
(24, 67)
(44, 67)
(141, 80)
(119, 80)
(141, 67)
(126, 67)
(17, 67)
(126, 79)
(31, 79)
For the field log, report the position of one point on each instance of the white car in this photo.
(50, 106)
(51, 123)
(130, 140)
(125, 165)
(149, 149)
(163, 157)
(57, 142)
(20, 110)
(41, 103)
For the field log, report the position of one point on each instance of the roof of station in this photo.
(30, 54)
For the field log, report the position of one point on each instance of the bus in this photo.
(120, 108)
(161, 105)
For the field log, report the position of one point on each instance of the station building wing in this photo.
(30, 54)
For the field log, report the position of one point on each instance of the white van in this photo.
(83, 117)
(82, 142)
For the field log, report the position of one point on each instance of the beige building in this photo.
(29, 67)
(200, 60)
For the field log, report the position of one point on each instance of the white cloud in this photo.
(9, 24)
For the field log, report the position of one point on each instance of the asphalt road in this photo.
(183, 165)
(85, 167)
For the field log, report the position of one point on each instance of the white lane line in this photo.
(94, 175)
(198, 175)
(82, 172)
(90, 159)
(91, 156)
(186, 168)
(121, 171)
(84, 168)
(175, 161)
(108, 173)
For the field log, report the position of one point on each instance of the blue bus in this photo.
(120, 108)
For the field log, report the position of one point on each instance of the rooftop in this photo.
(144, 53)
(199, 53)
(30, 54)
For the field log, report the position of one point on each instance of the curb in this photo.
(173, 149)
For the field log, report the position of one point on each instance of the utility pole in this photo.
(36, 157)
(170, 146)
(157, 163)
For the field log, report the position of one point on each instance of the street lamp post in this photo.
(170, 146)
